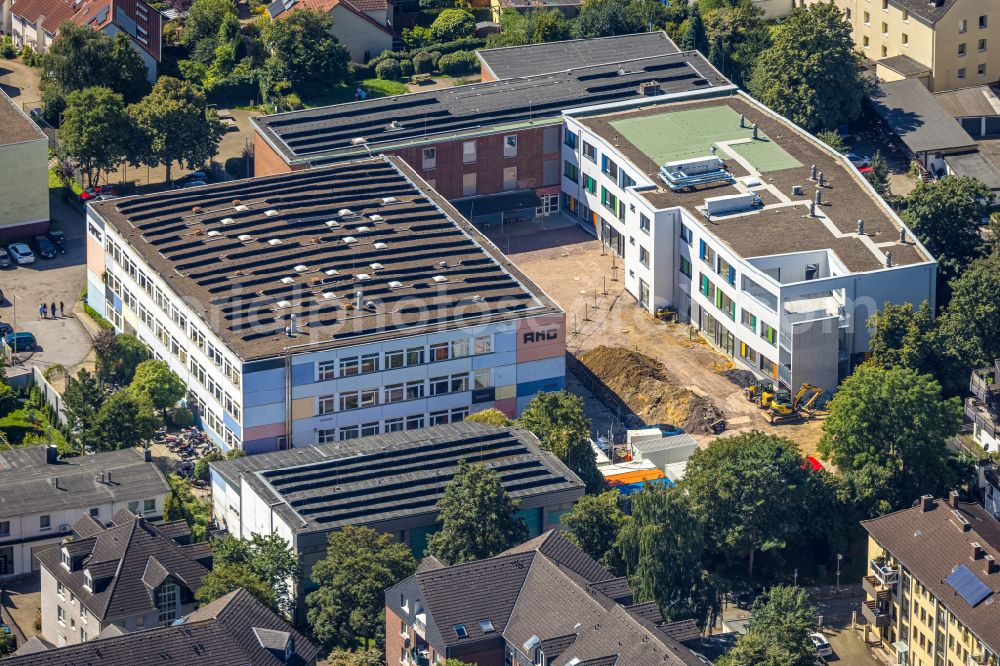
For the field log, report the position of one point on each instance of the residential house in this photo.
(233, 630)
(932, 584)
(389, 482)
(982, 408)
(24, 173)
(130, 576)
(41, 496)
(543, 602)
(363, 26)
(36, 23)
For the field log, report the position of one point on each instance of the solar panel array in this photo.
(967, 585)
(412, 117)
(254, 252)
(408, 477)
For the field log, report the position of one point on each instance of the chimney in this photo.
(819, 177)
(51, 455)
(926, 503)
(819, 197)
(977, 550)
(861, 227)
(960, 521)
(902, 234)
(991, 564)
(888, 259)
(147, 455)
(359, 299)
(953, 499)
(812, 172)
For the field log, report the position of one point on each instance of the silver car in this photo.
(21, 253)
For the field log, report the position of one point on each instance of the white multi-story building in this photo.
(710, 201)
(323, 305)
(41, 497)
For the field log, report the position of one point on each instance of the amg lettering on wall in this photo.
(533, 337)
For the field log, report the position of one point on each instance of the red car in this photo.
(87, 195)
(865, 169)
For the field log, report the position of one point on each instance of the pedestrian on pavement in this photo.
(42, 311)
(62, 310)
(52, 309)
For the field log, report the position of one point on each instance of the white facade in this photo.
(796, 317)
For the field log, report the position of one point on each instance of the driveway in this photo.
(62, 340)
(20, 82)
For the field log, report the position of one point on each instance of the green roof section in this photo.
(678, 135)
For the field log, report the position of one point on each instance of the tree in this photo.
(349, 601)
(892, 425)
(342, 657)
(203, 20)
(810, 73)
(879, 175)
(945, 215)
(832, 139)
(477, 517)
(85, 58)
(557, 419)
(269, 558)
(778, 633)
(202, 471)
(225, 578)
(490, 417)
(452, 24)
(82, 400)
(694, 37)
(911, 338)
(123, 421)
(95, 131)
(549, 26)
(156, 382)
(175, 125)
(305, 53)
(118, 356)
(181, 504)
(735, 35)
(8, 400)
(970, 326)
(129, 75)
(594, 523)
(604, 18)
(750, 490)
(663, 547)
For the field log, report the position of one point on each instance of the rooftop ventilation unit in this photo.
(683, 174)
(380, 245)
(350, 239)
(375, 266)
(364, 229)
(283, 305)
(650, 88)
(362, 276)
(301, 268)
(274, 241)
(214, 233)
(477, 299)
(329, 295)
(370, 306)
(394, 125)
(227, 220)
(439, 278)
(376, 218)
(287, 280)
(345, 212)
(241, 208)
(388, 201)
(245, 237)
(395, 284)
(331, 272)
(332, 224)
(358, 140)
(270, 212)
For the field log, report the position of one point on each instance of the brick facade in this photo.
(395, 642)
(266, 162)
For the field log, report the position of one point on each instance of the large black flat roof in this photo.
(339, 132)
(394, 475)
(251, 253)
(550, 57)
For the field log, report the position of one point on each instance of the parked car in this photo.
(4, 258)
(44, 247)
(746, 598)
(820, 644)
(58, 238)
(859, 161)
(195, 179)
(21, 341)
(5, 329)
(92, 192)
(105, 197)
(21, 253)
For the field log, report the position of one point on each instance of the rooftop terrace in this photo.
(771, 166)
(248, 254)
(393, 475)
(335, 132)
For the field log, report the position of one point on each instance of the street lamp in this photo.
(839, 558)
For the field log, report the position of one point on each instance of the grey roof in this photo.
(393, 475)
(256, 251)
(904, 65)
(26, 480)
(929, 11)
(965, 102)
(17, 126)
(222, 633)
(127, 561)
(918, 119)
(550, 57)
(976, 165)
(389, 123)
(664, 443)
(550, 590)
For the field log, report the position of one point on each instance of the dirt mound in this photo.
(741, 378)
(642, 383)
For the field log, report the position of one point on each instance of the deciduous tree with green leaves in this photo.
(452, 24)
(367, 657)
(970, 325)
(305, 53)
(349, 601)
(118, 356)
(778, 633)
(604, 18)
(750, 490)
(157, 383)
(96, 133)
(490, 417)
(123, 421)
(224, 578)
(477, 517)
(269, 558)
(811, 73)
(558, 420)
(594, 524)
(908, 337)
(736, 35)
(85, 58)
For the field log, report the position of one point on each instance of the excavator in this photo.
(779, 410)
(763, 394)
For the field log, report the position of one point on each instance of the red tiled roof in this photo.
(88, 12)
(56, 12)
(328, 5)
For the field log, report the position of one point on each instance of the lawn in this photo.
(345, 93)
(26, 427)
(56, 184)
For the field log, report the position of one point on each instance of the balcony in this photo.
(877, 614)
(885, 574)
(420, 657)
(420, 625)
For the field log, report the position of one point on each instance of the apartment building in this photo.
(931, 584)
(982, 408)
(233, 630)
(947, 44)
(766, 240)
(41, 497)
(129, 576)
(390, 482)
(312, 307)
(485, 143)
(543, 602)
(364, 27)
(24, 181)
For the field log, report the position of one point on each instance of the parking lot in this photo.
(61, 340)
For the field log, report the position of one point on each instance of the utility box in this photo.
(731, 203)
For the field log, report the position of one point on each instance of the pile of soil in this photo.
(642, 383)
(741, 378)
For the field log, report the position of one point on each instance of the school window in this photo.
(748, 353)
(468, 184)
(625, 181)
(326, 436)
(609, 200)
(727, 272)
(570, 139)
(459, 414)
(570, 171)
(439, 352)
(483, 345)
(394, 425)
(415, 356)
(349, 400)
(685, 266)
(707, 254)
(429, 158)
(439, 418)
(349, 432)
(686, 235)
(394, 393)
(609, 168)
(369, 363)
(469, 152)
(369, 429)
(510, 178)
(414, 390)
(749, 320)
(589, 184)
(643, 223)
(768, 333)
(589, 152)
(395, 359)
(326, 404)
(415, 422)
(459, 348)
(481, 378)
(644, 256)
(510, 145)
(350, 367)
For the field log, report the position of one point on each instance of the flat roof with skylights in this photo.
(252, 253)
(777, 166)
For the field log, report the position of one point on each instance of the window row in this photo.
(400, 423)
(403, 358)
(402, 391)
